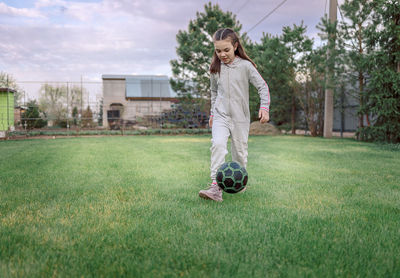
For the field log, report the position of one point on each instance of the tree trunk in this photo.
(360, 80)
(293, 113)
(361, 96)
(321, 111)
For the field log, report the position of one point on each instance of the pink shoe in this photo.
(212, 193)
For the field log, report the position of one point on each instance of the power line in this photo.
(233, 4)
(326, 1)
(262, 19)
(245, 3)
(345, 26)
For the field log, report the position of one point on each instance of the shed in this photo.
(6, 109)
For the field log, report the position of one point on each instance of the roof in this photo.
(145, 86)
(4, 90)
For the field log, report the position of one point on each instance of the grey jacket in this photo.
(230, 90)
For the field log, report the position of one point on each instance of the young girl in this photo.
(231, 71)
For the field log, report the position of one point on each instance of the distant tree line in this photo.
(365, 57)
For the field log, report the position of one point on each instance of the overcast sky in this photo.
(59, 40)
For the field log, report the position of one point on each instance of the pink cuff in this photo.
(211, 116)
(265, 108)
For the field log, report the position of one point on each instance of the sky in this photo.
(60, 40)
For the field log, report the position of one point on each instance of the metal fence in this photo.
(78, 107)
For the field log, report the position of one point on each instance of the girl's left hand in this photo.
(263, 115)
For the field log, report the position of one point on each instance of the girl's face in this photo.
(225, 50)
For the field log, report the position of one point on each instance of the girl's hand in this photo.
(263, 115)
(210, 121)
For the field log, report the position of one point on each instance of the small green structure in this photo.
(6, 108)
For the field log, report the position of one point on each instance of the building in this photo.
(128, 99)
(345, 117)
(6, 110)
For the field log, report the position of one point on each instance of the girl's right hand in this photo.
(210, 122)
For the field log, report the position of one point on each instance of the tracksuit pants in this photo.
(222, 128)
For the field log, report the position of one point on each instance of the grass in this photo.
(128, 206)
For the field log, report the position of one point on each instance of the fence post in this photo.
(67, 109)
(81, 114)
(8, 110)
(342, 112)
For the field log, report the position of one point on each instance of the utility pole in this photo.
(328, 115)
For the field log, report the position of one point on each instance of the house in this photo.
(18, 112)
(345, 111)
(6, 110)
(128, 99)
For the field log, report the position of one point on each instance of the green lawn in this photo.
(129, 206)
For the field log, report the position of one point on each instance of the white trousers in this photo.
(222, 128)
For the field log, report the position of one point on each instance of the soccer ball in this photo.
(231, 177)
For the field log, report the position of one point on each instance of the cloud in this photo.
(64, 40)
(11, 11)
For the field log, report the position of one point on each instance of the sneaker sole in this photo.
(205, 196)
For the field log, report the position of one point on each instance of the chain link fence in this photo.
(72, 108)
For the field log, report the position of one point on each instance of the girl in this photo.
(231, 71)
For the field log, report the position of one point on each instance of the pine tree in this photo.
(87, 117)
(271, 57)
(383, 41)
(191, 77)
(32, 116)
(299, 47)
(354, 39)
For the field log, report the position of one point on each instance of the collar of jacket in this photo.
(235, 62)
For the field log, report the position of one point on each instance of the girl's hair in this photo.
(223, 34)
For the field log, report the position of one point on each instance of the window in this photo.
(113, 114)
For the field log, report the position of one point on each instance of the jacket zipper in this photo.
(229, 92)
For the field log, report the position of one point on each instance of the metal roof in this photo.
(4, 90)
(150, 86)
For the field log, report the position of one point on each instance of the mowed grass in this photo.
(129, 206)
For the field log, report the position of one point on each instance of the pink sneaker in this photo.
(212, 193)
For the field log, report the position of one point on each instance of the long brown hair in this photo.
(223, 34)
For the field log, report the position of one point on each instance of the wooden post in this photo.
(328, 115)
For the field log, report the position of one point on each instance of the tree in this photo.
(191, 76)
(312, 94)
(32, 116)
(52, 101)
(354, 39)
(383, 88)
(271, 57)
(75, 115)
(58, 102)
(100, 113)
(7, 81)
(299, 48)
(328, 70)
(87, 117)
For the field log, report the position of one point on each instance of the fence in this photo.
(37, 107)
(82, 107)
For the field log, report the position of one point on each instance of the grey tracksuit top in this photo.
(230, 90)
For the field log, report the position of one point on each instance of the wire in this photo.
(245, 3)
(326, 1)
(345, 26)
(233, 4)
(262, 19)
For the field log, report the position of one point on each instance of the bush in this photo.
(32, 116)
(55, 132)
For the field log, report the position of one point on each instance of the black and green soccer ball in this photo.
(232, 177)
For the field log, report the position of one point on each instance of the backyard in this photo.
(129, 206)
